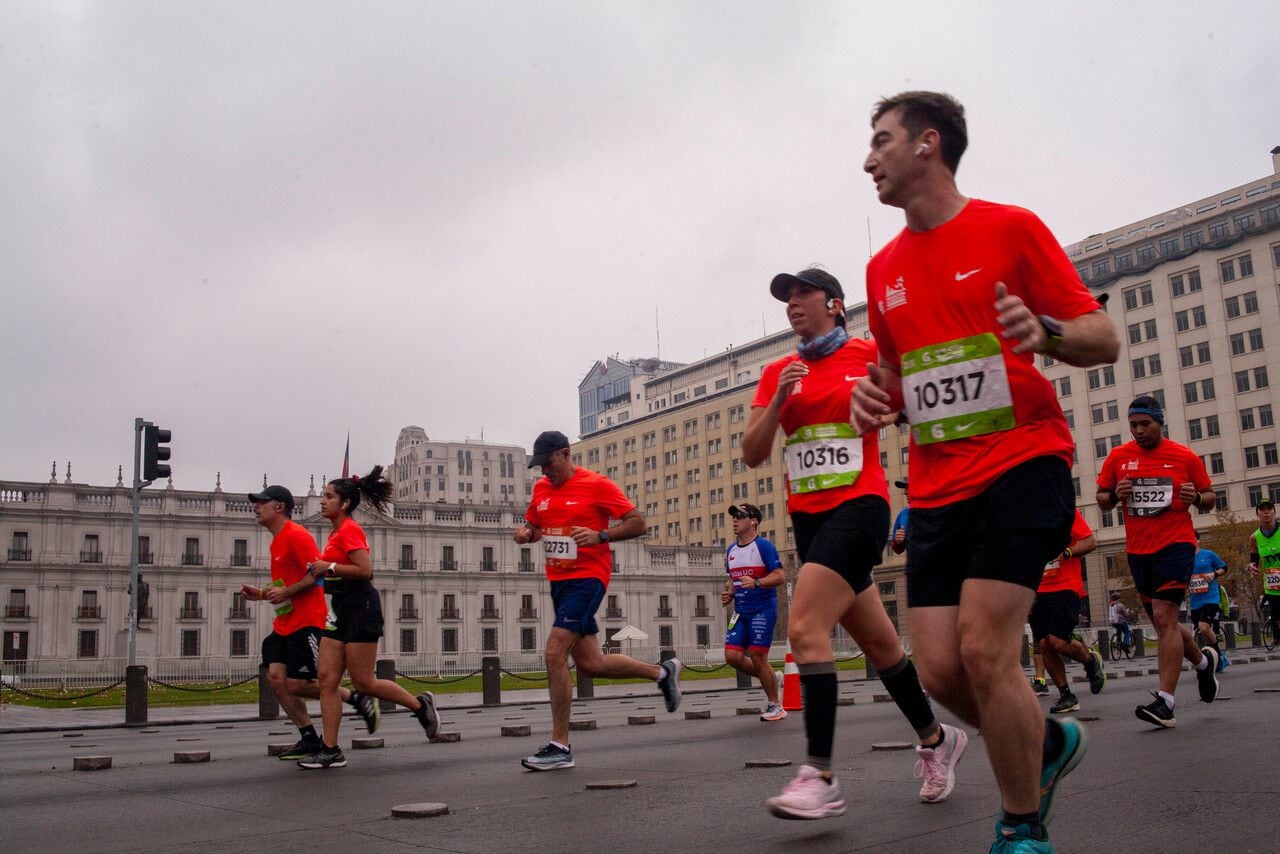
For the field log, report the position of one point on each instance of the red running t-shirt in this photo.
(1154, 516)
(827, 462)
(1066, 574)
(586, 500)
(291, 550)
(976, 409)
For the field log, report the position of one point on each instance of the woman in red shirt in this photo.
(351, 644)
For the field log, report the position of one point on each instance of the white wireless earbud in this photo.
(924, 146)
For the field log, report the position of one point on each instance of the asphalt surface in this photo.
(1210, 783)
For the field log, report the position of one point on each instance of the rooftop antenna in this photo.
(870, 252)
(657, 333)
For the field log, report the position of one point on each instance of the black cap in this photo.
(545, 445)
(1265, 504)
(274, 493)
(744, 509)
(820, 279)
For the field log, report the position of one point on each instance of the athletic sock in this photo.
(818, 689)
(1052, 741)
(563, 747)
(1030, 819)
(1063, 690)
(903, 684)
(1168, 699)
(308, 732)
(1204, 662)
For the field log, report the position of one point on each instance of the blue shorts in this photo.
(576, 602)
(751, 631)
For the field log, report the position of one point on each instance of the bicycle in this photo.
(1119, 648)
(1269, 636)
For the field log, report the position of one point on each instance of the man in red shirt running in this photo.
(1158, 481)
(959, 302)
(569, 514)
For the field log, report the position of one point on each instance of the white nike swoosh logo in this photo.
(850, 379)
(571, 502)
(960, 428)
(960, 277)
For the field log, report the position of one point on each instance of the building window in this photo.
(489, 640)
(1246, 419)
(1260, 377)
(488, 607)
(191, 552)
(240, 553)
(1236, 342)
(1189, 393)
(1227, 269)
(1255, 340)
(1269, 454)
(92, 552)
(19, 546)
(487, 563)
(1138, 368)
(528, 639)
(87, 643)
(409, 640)
(447, 561)
(666, 637)
(406, 557)
(1211, 427)
(190, 643)
(190, 606)
(1194, 429)
(1251, 459)
(448, 640)
(1233, 307)
(17, 606)
(1181, 322)
(1265, 418)
(239, 643)
(1216, 464)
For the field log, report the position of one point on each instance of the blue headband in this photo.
(1154, 411)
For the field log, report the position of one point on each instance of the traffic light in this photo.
(154, 451)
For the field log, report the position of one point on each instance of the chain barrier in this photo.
(706, 669)
(229, 685)
(439, 680)
(853, 657)
(522, 678)
(64, 697)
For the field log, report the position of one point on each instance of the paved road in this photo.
(1212, 782)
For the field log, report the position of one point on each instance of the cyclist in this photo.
(1120, 621)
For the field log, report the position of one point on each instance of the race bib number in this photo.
(559, 549)
(957, 389)
(823, 456)
(1151, 496)
(1272, 580)
(1199, 584)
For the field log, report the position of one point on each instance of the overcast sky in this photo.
(265, 224)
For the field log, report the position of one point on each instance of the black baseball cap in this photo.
(780, 287)
(274, 493)
(1265, 504)
(736, 510)
(547, 443)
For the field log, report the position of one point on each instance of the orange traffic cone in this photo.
(791, 700)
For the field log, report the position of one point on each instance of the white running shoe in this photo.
(937, 765)
(772, 712)
(808, 796)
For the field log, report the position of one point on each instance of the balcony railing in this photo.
(701, 612)
(613, 613)
(190, 559)
(488, 566)
(90, 612)
(19, 554)
(239, 560)
(408, 613)
(408, 563)
(17, 612)
(525, 566)
(528, 613)
(449, 614)
(448, 565)
(148, 613)
(488, 613)
(146, 558)
(238, 614)
(93, 556)
(664, 612)
(191, 614)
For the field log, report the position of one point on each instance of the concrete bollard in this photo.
(1230, 631)
(666, 655)
(871, 672)
(385, 668)
(744, 679)
(491, 680)
(1104, 644)
(135, 695)
(1256, 631)
(1139, 642)
(268, 702)
(586, 685)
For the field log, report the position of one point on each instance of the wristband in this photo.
(1067, 552)
(1115, 499)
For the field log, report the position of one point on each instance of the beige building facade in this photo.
(430, 471)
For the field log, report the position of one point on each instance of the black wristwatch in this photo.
(1052, 332)
(603, 535)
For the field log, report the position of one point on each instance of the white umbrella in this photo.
(627, 633)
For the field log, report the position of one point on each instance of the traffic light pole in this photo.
(134, 586)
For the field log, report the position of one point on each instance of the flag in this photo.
(346, 458)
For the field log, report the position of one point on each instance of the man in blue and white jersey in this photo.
(1205, 595)
(755, 573)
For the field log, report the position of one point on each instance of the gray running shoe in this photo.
(1095, 671)
(427, 714)
(324, 758)
(670, 683)
(368, 710)
(1066, 703)
(304, 748)
(548, 758)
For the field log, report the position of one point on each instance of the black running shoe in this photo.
(1157, 712)
(1208, 678)
(368, 709)
(324, 758)
(427, 714)
(304, 748)
(1095, 671)
(1066, 703)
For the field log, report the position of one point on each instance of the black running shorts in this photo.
(849, 538)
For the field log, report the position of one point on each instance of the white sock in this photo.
(1204, 662)
(563, 747)
(1168, 699)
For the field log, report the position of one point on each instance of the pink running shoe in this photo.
(937, 765)
(808, 796)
